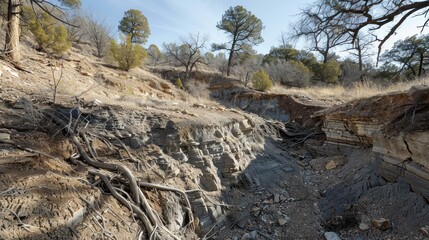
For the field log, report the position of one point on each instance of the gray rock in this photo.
(363, 226)
(425, 231)
(246, 236)
(283, 221)
(331, 236)
(4, 136)
(276, 198)
(135, 142)
(253, 234)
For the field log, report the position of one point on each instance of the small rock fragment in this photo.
(282, 221)
(253, 234)
(85, 73)
(276, 198)
(425, 231)
(381, 223)
(4, 136)
(331, 236)
(363, 226)
(330, 165)
(255, 209)
(246, 236)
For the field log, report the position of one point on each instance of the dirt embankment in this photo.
(383, 138)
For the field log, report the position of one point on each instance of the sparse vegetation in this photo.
(261, 81)
(56, 80)
(340, 94)
(154, 54)
(127, 54)
(329, 71)
(13, 23)
(179, 83)
(98, 34)
(49, 35)
(290, 73)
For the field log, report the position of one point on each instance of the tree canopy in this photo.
(243, 30)
(135, 24)
(411, 54)
(353, 18)
(322, 37)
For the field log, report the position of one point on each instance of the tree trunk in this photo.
(325, 56)
(228, 69)
(421, 64)
(12, 31)
(360, 57)
(231, 53)
(186, 73)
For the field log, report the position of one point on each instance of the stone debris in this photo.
(199, 105)
(364, 226)
(283, 221)
(381, 223)
(246, 236)
(253, 234)
(330, 165)
(425, 231)
(276, 198)
(4, 136)
(331, 236)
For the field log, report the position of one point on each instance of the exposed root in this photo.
(125, 202)
(128, 192)
(173, 189)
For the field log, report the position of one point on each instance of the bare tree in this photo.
(188, 52)
(98, 33)
(372, 15)
(322, 37)
(75, 34)
(362, 49)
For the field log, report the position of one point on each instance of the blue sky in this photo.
(169, 20)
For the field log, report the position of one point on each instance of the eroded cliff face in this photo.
(213, 158)
(396, 126)
(279, 107)
(202, 151)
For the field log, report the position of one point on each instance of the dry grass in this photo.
(340, 93)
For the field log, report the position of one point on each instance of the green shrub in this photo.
(179, 83)
(329, 71)
(127, 54)
(262, 81)
(49, 35)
